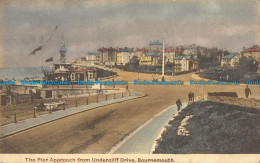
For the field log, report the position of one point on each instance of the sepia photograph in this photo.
(129, 81)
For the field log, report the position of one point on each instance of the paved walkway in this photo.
(13, 128)
(144, 138)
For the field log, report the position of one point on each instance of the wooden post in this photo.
(15, 121)
(87, 101)
(50, 110)
(106, 97)
(34, 113)
(114, 95)
(122, 94)
(76, 103)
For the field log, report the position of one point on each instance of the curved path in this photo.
(142, 140)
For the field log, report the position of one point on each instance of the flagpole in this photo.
(163, 60)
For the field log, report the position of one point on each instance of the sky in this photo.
(88, 25)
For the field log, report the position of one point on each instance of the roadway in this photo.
(98, 130)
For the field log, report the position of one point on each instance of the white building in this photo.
(186, 63)
(230, 60)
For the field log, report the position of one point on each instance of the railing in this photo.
(12, 114)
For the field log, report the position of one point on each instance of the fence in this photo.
(12, 114)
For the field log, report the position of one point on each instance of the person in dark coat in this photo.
(126, 88)
(190, 96)
(179, 104)
(247, 91)
(113, 80)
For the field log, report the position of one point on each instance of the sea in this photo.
(22, 72)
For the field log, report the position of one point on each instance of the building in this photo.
(171, 53)
(189, 52)
(180, 64)
(253, 52)
(186, 63)
(156, 46)
(91, 58)
(107, 56)
(149, 59)
(230, 61)
(138, 52)
(124, 55)
(83, 74)
(64, 71)
(61, 70)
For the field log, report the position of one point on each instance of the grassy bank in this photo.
(213, 127)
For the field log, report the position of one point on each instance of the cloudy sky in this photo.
(87, 25)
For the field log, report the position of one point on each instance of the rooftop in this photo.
(107, 49)
(155, 54)
(186, 57)
(178, 57)
(125, 49)
(230, 56)
(172, 50)
(142, 50)
(155, 43)
(252, 49)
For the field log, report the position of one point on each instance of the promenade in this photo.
(13, 128)
(147, 133)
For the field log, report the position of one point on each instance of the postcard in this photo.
(129, 81)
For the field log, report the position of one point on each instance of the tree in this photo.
(226, 53)
(247, 65)
(133, 63)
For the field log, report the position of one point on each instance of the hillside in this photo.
(213, 127)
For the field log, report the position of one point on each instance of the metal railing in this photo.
(15, 113)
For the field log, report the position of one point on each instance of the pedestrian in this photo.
(179, 104)
(113, 83)
(190, 96)
(126, 88)
(247, 91)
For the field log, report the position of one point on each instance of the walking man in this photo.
(247, 91)
(190, 96)
(179, 104)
